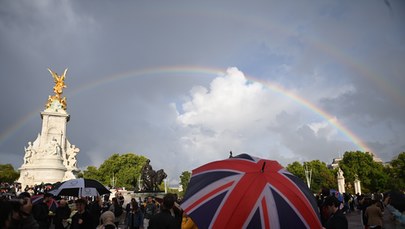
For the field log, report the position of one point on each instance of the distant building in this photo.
(335, 161)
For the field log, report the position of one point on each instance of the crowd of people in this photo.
(98, 212)
(334, 206)
(18, 211)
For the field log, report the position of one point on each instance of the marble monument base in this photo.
(44, 170)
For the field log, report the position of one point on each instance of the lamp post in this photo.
(308, 175)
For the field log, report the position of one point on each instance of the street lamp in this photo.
(308, 175)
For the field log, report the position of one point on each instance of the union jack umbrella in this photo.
(249, 192)
(52, 204)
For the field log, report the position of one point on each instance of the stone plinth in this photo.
(45, 169)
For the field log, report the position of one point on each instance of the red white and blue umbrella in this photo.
(249, 192)
(52, 204)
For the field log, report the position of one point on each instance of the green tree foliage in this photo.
(396, 172)
(122, 170)
(297, 169)
(321, 175)
(370, 173)
(184, 180)
(8, 174)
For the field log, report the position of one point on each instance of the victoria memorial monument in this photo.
(51, 157)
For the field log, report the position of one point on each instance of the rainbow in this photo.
(195, 70)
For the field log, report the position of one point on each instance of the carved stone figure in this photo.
(340, 173)
(150, 178)
(53, 148)
(71, 154)
(29, 153)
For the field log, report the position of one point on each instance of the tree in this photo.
(8, 174)
(184, 180)
(297, 169)
(396, 172)
(118, 170)
(322, 177)
(91, 173)
(370, 173)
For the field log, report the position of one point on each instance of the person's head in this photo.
(114, 200)
(62, 202)
(107, 218)
(134, 205)
(24, 194)
(8, 212)
(47, 197)
(150, 199)
(168, 201)
(332, 204)
(81, 205)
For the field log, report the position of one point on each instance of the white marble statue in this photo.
(29, 153)
(71, 154)
(53, 148)
(341, 181)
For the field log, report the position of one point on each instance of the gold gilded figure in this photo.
(58, 89)
(59, 82)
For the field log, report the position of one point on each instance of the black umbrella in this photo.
(80, 187)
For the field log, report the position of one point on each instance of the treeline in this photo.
(374, 176)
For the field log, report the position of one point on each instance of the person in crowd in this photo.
(164, 219)
(62, 213)
(16, 213)
(82, 219)
(337, 220)
(134, 216)
(176, 211)
(95, 209)
(150, 210)
(116, 208)
(374, 215)
(107, 221)
(106, 203)
(322, 207)
(364, 203)
(27, 219)
(40, 212)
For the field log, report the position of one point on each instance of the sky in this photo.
(184, 83)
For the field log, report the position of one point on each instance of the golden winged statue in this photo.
(58, 89)
(59, 81)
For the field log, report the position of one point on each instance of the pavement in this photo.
(354, 219)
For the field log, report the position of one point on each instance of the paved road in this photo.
(354, 219)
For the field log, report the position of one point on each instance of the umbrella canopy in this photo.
(52, 204)
(249, 192)
(80, 187)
